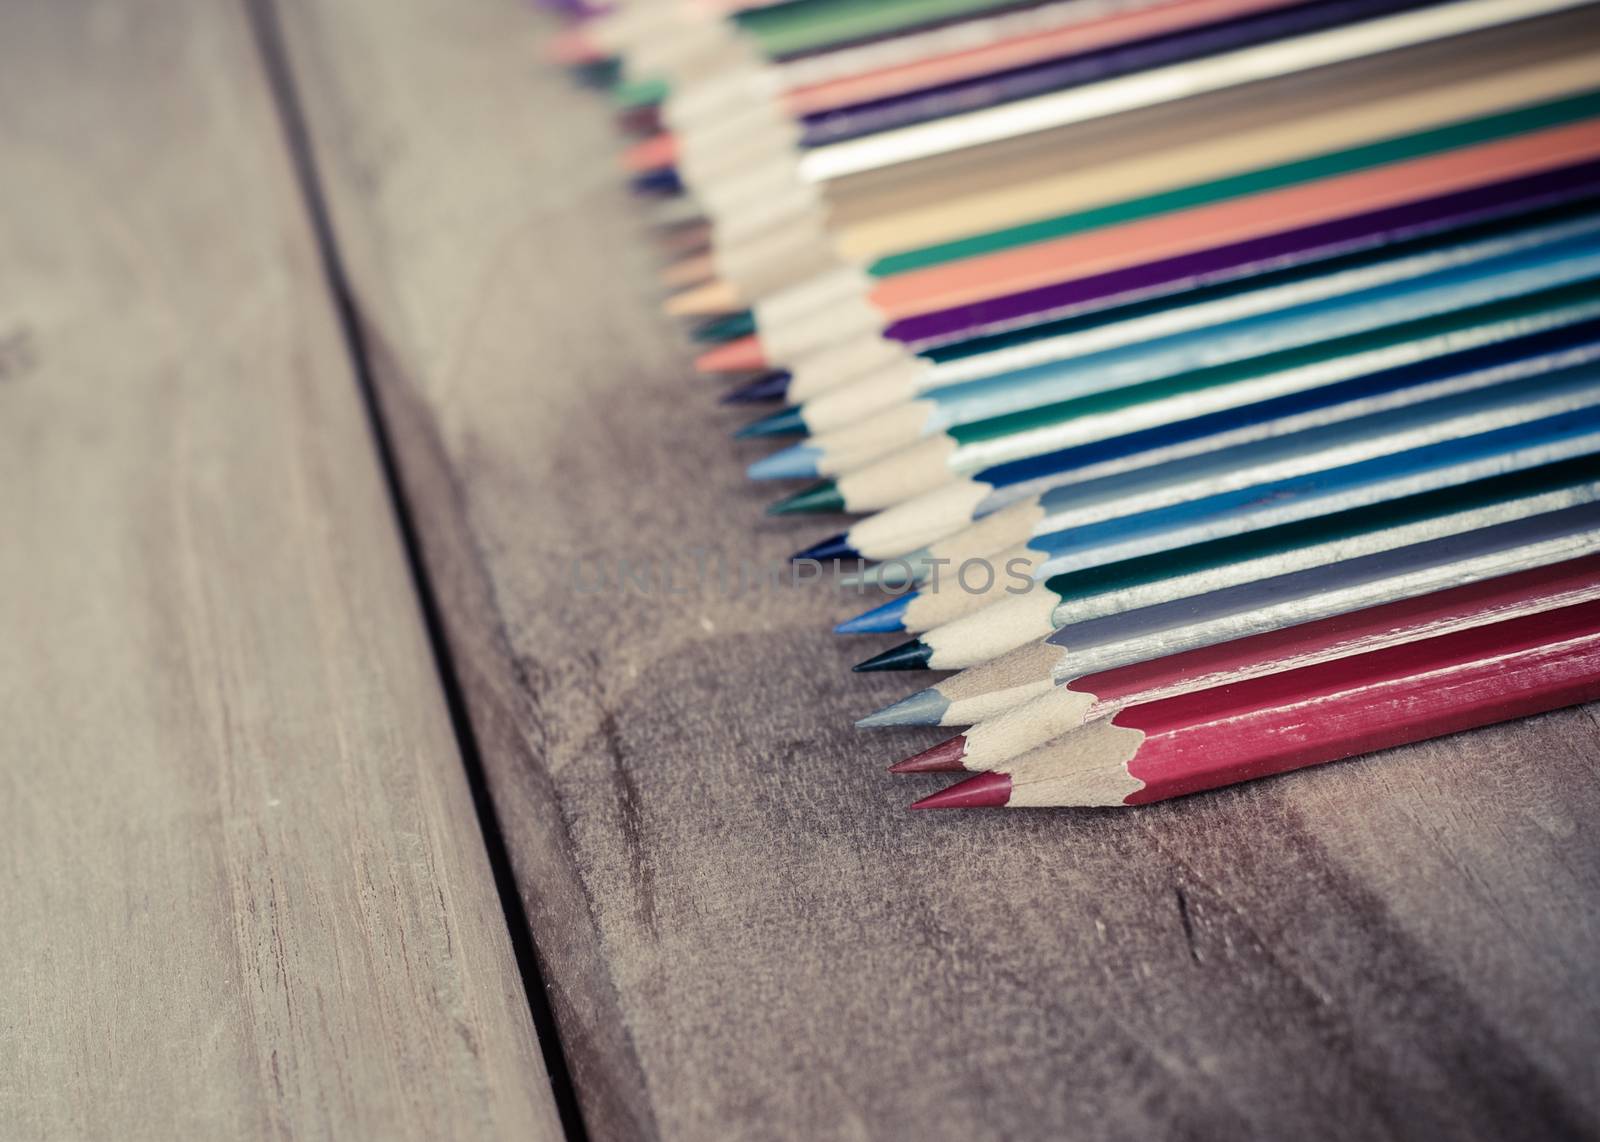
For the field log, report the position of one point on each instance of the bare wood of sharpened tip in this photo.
(246, 889)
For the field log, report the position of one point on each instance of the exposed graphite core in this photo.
(911, 655)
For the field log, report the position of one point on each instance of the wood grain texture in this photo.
(746, 935)
(245, 891)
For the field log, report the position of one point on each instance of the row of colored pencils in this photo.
(1215, 384)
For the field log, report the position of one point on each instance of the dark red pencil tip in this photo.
(983, 791)
(942, 758)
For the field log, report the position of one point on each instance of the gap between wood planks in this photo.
(280, 81)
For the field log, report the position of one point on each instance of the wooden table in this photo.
(329, 347)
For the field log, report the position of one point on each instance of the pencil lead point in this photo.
(942, 758)
(771, 386)
(924, 708)
(663, 182)
(650, 154)
(723, 329)
(797, 462)
(911, 655)
(981, 791)
(742, 355)
(823, 497)
(887, 618)
(785, 422)
(834, 547)
(639, 92)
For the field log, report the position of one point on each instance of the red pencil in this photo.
(1077, 701)
(1333, 710)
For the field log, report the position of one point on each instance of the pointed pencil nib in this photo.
(887, 618)
(823, 497)
(983, 791)
(718, 330)
(942, 758)
(911, 655)
(924, 708)
(771, 386)
(739, 356)
(796, 462)
(785, 422)
(834, 547)
(664, 182)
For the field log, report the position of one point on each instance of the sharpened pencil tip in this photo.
(718, 330)
(785, 422)
(982, 791)
(834, 547)
(823, 497)
(924, 708)
(771, 386)
(661, 182)
(911, 655)
(797, 462)
(640, 92)
(651, 154)
(739, 356)
(942, 758)
(887, 618)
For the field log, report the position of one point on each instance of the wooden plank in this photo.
(246, 894)
(746, 935)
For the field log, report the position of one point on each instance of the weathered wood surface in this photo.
(745, 934)
(244, 886)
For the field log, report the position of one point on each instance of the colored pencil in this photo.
(972, 448)
(1071, 705)
(778, 192)
(852, 74)
(1228, 69)
(1049, 35)
(971, 335)
(1251, 163)
(955, 300)
(850, 402)
(1106, 643)
(1570, 253)
(1333, 710)
(1075, 69)
(895, 534)
(1112, 537)
(1207, 566)
(1311, 471)
(1006, 195)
